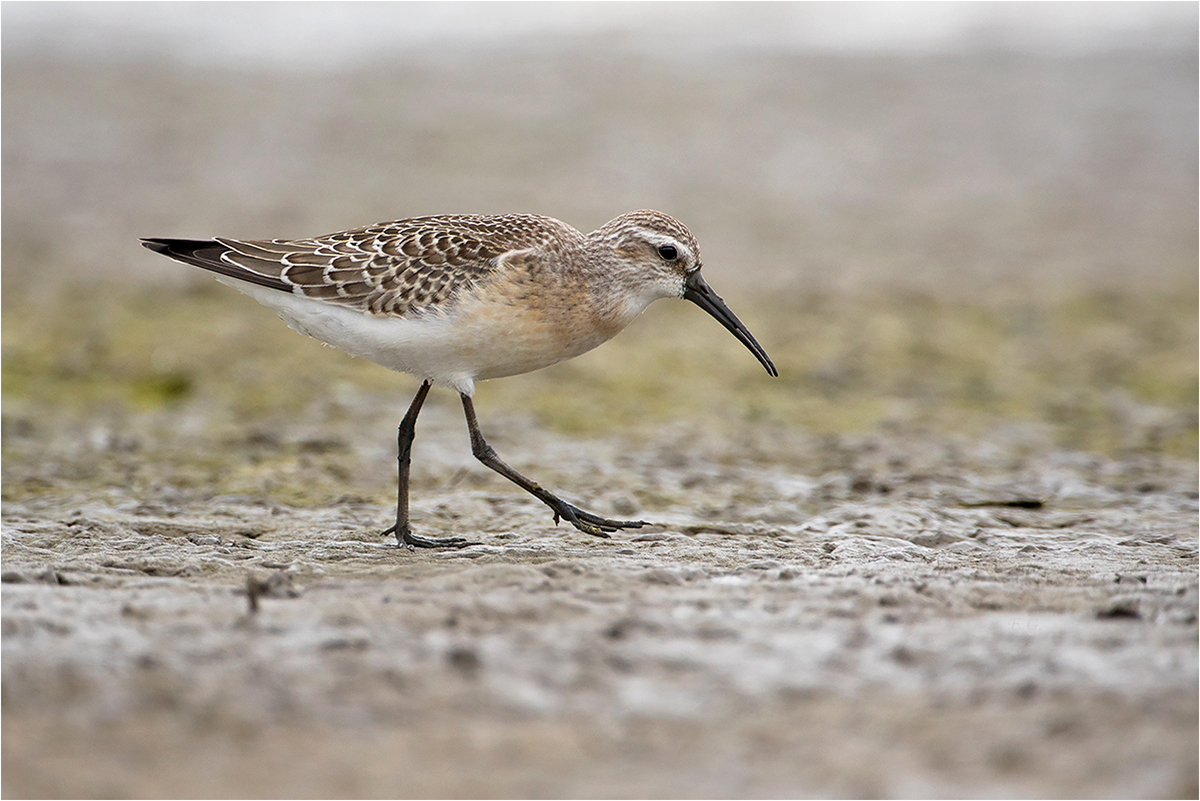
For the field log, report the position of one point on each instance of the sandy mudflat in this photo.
(915, 629)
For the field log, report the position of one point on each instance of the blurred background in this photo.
(965, 232)
(947, 215)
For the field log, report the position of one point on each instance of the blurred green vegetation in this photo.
(1103, 371)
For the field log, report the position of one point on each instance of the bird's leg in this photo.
(404, 536)
(584, 521)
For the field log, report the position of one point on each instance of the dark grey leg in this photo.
(584, 521)
(404, 536)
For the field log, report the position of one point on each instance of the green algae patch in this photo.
(156, 389)
(158, 347)
(1104, 372)
(1109, 374)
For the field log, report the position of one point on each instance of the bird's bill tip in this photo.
(697, 290)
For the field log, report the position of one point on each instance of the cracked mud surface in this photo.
(963, 622)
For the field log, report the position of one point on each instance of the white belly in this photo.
(472, 342)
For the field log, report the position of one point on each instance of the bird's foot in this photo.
(406, 539)
(586, 521)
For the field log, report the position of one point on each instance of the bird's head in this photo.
(653, 256)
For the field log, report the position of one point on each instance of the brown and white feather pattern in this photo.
(397, 269)
(459, 298)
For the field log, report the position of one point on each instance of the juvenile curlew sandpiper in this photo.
(457, 299)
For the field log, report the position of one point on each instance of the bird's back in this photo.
(393, 269)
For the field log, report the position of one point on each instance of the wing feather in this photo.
(398, 268)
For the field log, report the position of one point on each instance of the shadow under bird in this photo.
(457, 299)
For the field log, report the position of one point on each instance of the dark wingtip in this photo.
(157, 245)
(207, 255)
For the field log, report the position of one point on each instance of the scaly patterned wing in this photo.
(393, 269)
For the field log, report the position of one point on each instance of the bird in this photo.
(460, 298)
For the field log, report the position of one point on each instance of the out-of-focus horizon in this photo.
(811, 145)
(989, 207)
(347, 35)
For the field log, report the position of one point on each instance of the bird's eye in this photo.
(668, 252)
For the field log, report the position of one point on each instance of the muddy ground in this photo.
(951, 551)
(929, 617)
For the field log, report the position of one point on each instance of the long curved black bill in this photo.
(697, 291)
